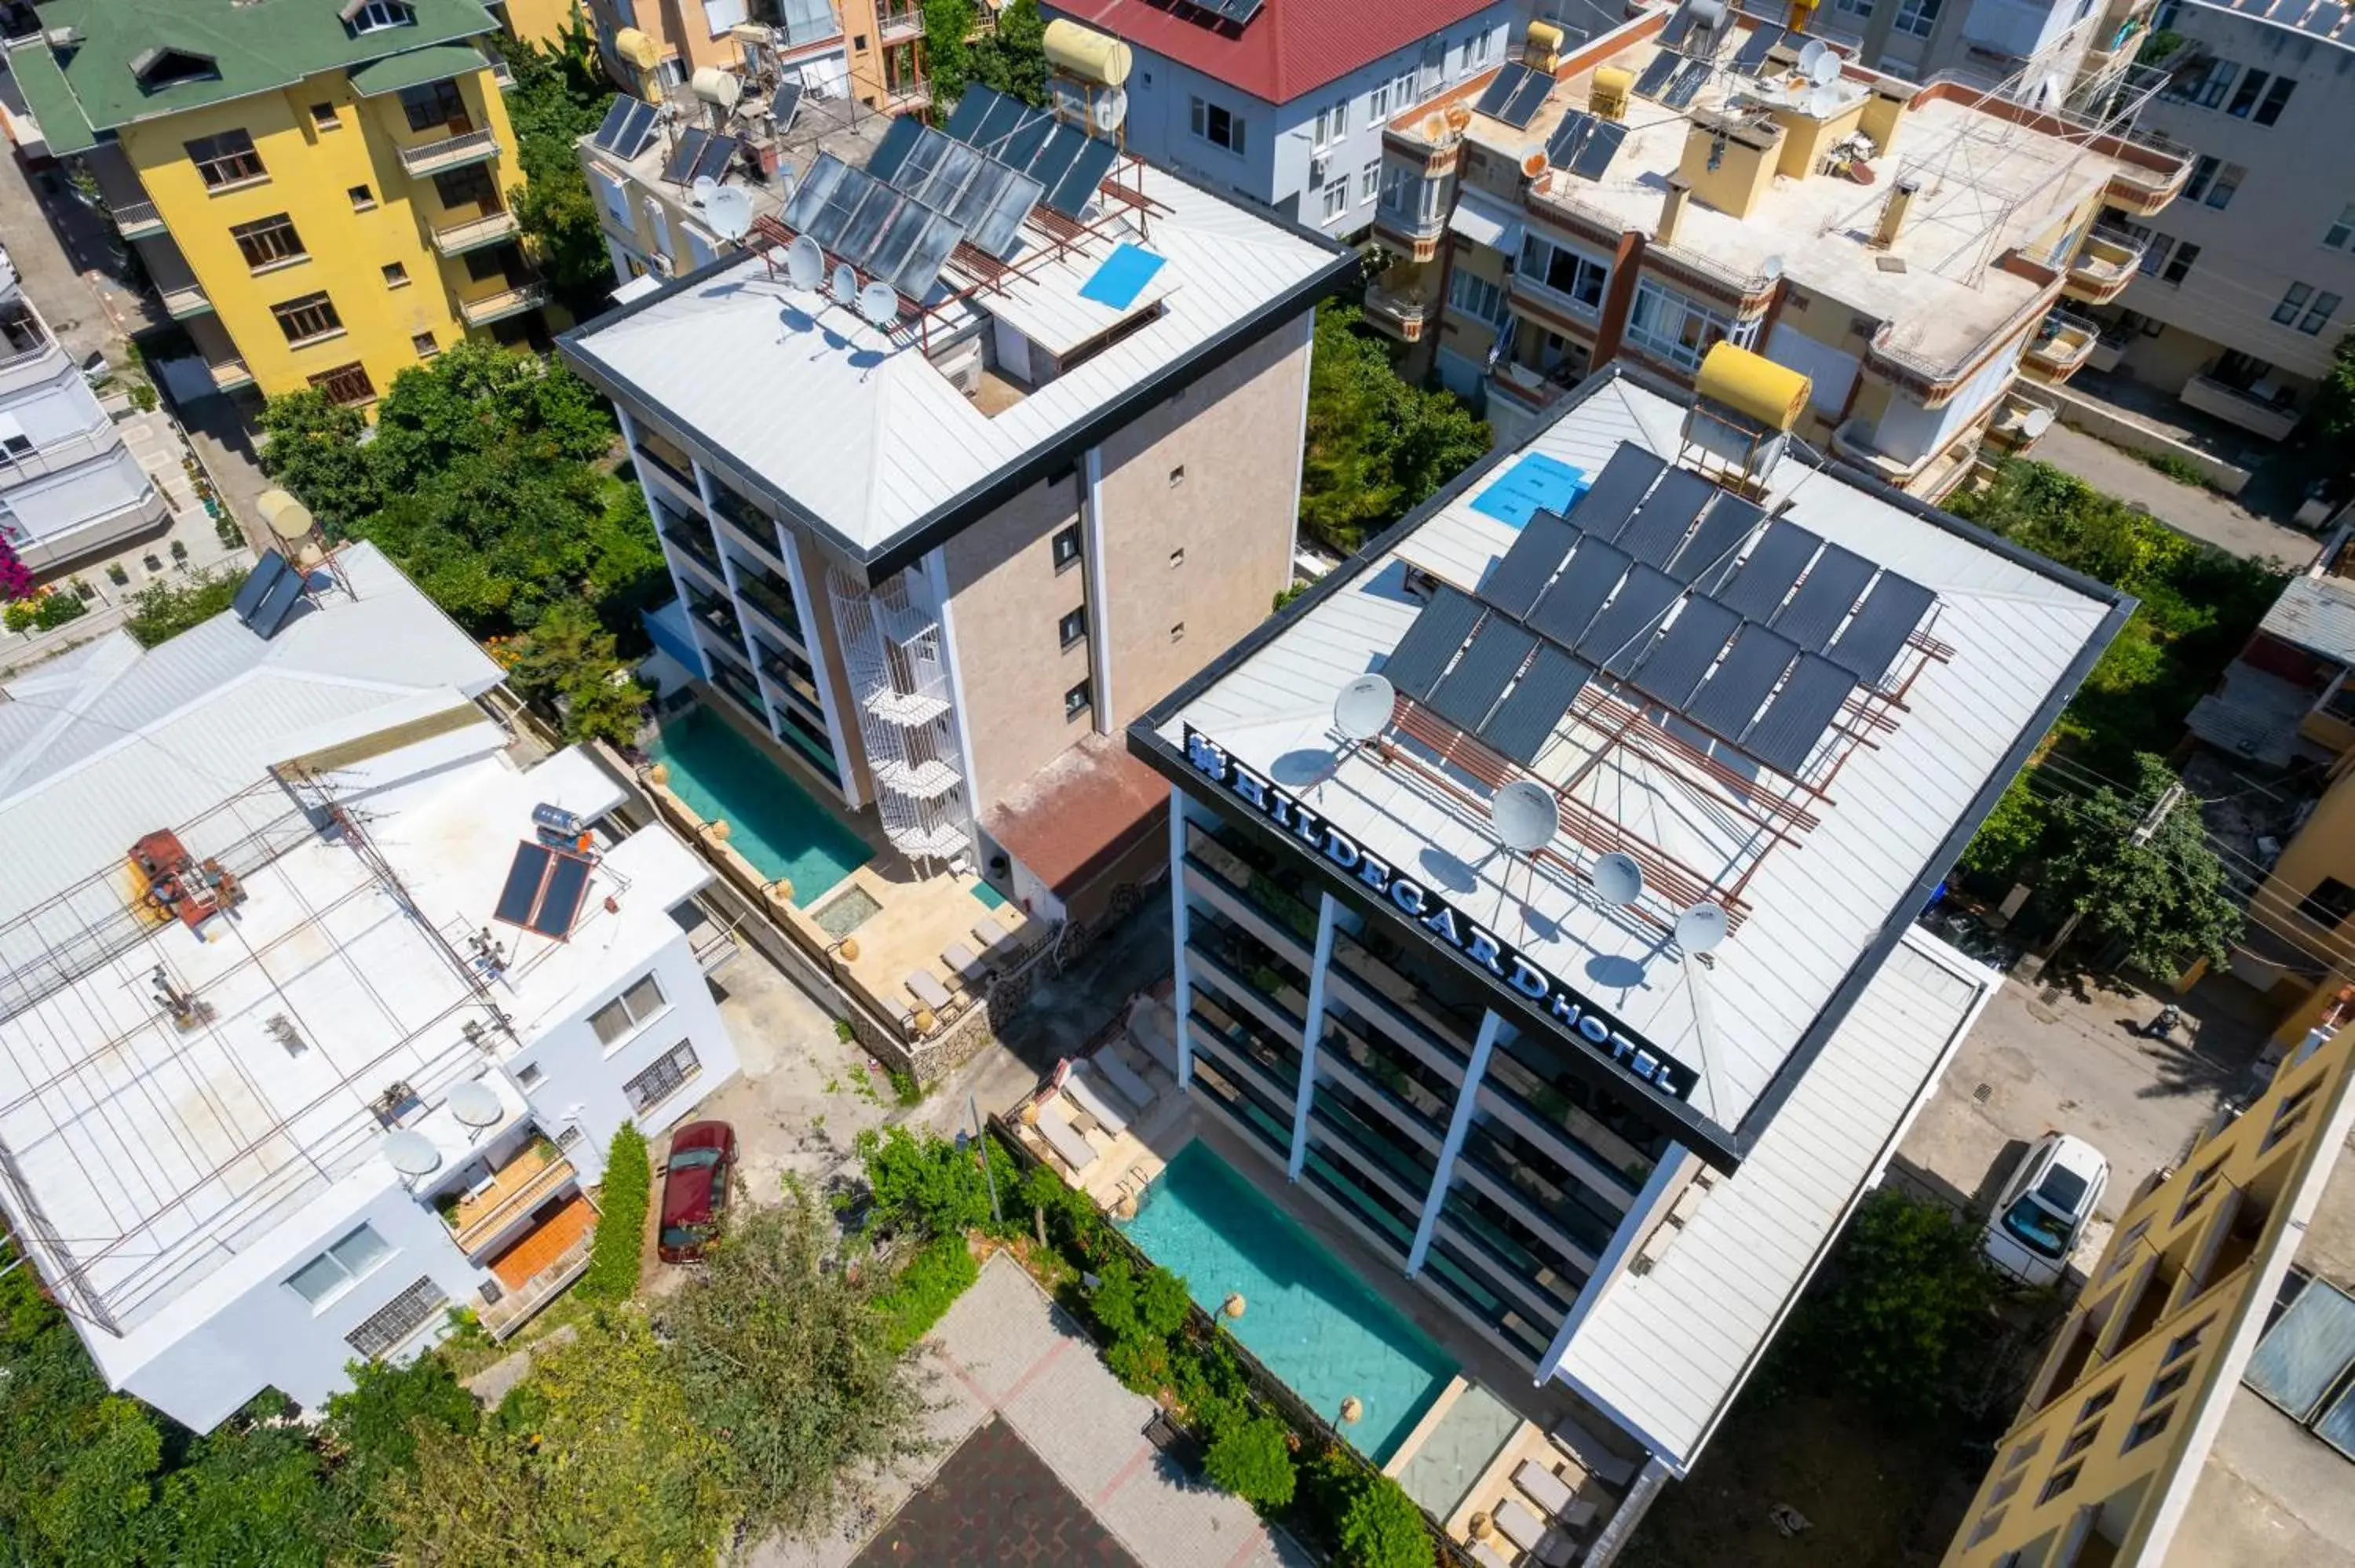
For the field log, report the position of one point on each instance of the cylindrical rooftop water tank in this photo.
(1086, 54)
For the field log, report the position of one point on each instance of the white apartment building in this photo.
(70, 489)
(1282, 102)
(318, 1010)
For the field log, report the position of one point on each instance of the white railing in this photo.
(186, 301)
(56, 455)
(136, 215)
(448, 153)
(514, 1308)
(507, 302)
(486, 1226)
(453, 237)
(892, 649)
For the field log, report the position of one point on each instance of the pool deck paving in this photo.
(1005, 1354)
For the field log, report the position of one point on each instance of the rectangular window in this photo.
(424, 344)
(1918, 17)
(1218, 126)
(396, 275)
(1336, 197)
(470, 187)
(1066, 547)
(267, 241)
(2148, 1427)
(339, 1267)
(2205, 87)
(1332, 126)
(2318, 314)
(324, 117)
(362, 197)
(2079, 1441)
(437, 105)
(1072, 627)
(375, 16)
(2184, 1344)
(1402, 92)
(2168, 1386)
(499, 262)
(619, 1017)
(2228, 180)
(2097, 1403)
(2276, 99)
(1377, 103)
(1857, 8)
(2333, 900)
(312, 317)
(2179, 265)
(1476, 297)
(1076, 701)
(2341, 230)
(2063, 1480)
(663, 1079)
(346, 384)
(228, 159)
(1670, 327)
(1369, 181)
(2201, 173)
(2244, 97)
(1579, 279)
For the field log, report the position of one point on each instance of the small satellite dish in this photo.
(1818, 61)
(846, 285)
(1526, 815)
(476, 1105)
(411, 1153)
(1701, 929)
(1107, 110)
(1363, 708)
(704, 188)
(1617, 878)
(2039, 420)
(1821, 102)
(805, 262)
(1772, 268)
(728, 211)
(880, 303)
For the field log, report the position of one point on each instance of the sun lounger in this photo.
(1520, 1526)
(1587, 1452)
(997, 945)
(1551, 1494)
(1150, 1026)
(1131, 1088)
(1488, 1556)
(1555, 1549)
(1065, 1139)
(926, 988)
(1096, 1103)
(968, 964)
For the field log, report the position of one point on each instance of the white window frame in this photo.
(1332, 126)
(1369, 180)
(1859, 9)
(662, 1077)
(1660, 321)
(1480, 298)
(1335, 197)
(629, 1005)
(1377, 103)
(1535, 266)
(347, 1261)
(1917, 18)
(1199, 120)
(376, 15)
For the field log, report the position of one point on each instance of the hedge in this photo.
(613, 1271)
(926, 1288)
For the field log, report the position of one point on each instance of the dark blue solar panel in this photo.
(1526, 718)
(1673, 669)
(1729, 699)
(1889, 615)
(1415, 663)
(1530, 565)
(1754, 49)
(1502, 87)
(971, 108)
(1594, 570)
(1619, 635)
(285, 593)
(1071, 193)
(560, 904)
(521, 894)
(1667, 516)
(1656, 75)
(1765, 578)
(1709, 554)
(1605, 507)
(1784, 736)
(258, 583)
(1825, 595)
(897, 143)
(1468, 692)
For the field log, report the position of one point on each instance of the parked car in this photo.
(695, 1188)
(2044, 1208)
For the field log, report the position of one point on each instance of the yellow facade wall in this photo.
(2323, 849)
(542, 22)
(310, 173)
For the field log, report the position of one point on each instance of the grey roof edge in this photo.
(952, 516)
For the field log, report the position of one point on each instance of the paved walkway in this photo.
(1005, 1348)
(2191, 508)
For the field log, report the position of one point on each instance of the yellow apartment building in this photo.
(320, 192)
(2102, 1464)
(541, 22)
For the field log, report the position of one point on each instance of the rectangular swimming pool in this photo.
(772, 820)
(1313, 1323)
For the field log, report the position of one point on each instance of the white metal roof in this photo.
(861, 432)
(1665, 1352)
(1818, 905)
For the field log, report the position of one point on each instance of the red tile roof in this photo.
(1291, 48)
(1076, 816)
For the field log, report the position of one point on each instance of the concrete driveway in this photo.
(2190, 509)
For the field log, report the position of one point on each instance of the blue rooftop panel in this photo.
(1536, 484)
(1122, 277)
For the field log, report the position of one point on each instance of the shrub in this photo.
(2182, 469)
(1907, 1294)
(1141, 1362)
(1252, 1459)
(930, 1185)
(906, 1089)
(1128, 1306)
(926, 1288)
(163, 610)
(1380, 1527)
(613, 1272)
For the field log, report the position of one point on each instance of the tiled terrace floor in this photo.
(995, 1502)
(545, 1244)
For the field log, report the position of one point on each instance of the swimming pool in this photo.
(1315, 1324)
(772, 820)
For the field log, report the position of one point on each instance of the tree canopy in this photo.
(560, 96)
(1377, 445)
(2160, 892)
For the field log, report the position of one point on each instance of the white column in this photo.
(806, 607)
(677, 583)
(1182, 997)
(1669, 1173)
(1458, 1124)
(936, 571)
(1099, 614)
(1307, 366)
(1311, 1032)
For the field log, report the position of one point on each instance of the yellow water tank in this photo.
(637, 49)
(1608, 99)
(1542, 46)
(1754, 385)
(1084, 53)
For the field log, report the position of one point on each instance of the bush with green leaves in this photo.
(1253, 1459)
(1905, 1297)
(1378, 445)
(1154, 1304)
(622, 1202)
(929, 1186)
(927, 1288)
(1376, 1524)
(162, 610)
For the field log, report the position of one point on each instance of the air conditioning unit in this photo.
(1318, 167)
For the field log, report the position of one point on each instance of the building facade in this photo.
(1920, 253)
(68, 486)
(322, 200)
(2106, 1456)
(2049, 53)
(655, 49)
(1287, 111)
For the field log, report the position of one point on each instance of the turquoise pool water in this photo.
(988, 896)
(1313, 1323)
(772, 821)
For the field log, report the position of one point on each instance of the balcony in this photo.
(670, 467)
(137, 219)
(2061, 347)
(894, 24)
(27, 353)
(59, 455)
(2104, 264)
(539, 1172)
(228, 375)
(476, 233)
(1536, 388)
(2245, 409)
(536, 1269)
(1395, 312)
(696, 546)
(430, 158)
(774, 601)
(510, 302)
(2018, 421)
(2153, 172)
(185, 301)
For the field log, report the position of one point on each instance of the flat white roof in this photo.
(862, 435)
(1821, 908)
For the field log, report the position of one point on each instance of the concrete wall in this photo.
(2103, 419)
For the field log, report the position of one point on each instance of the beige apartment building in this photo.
(1922, 254)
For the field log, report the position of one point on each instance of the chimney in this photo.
(1893, 213)
(1672, 209)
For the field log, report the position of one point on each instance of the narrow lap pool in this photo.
(1313, 1323)
(772, 821)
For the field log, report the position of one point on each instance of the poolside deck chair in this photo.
(1065, 1140)
(1126, 1081)
(997, 945)
(1520, 1527)
(1153, 1029)
(926, 988)
(967, 965)
(1488, 1556)
(1098, 1104)
(1542, 1487)
(1587, 1451)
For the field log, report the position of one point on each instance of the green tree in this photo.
(2161, 894)
(1380, 1527)
(2010, 836)
(2332, 416)
(1253, 1459)
(929, 1185)
(1896, 1318)
(1376, 445)
(373, 1428)
(314, 450)
(568, 662)
(621, 1200)
(942, 1271)
(250, 1495)
(783, 1352)
(165, 609)
(1013, 57)
(478, 399)
(948, 56)
(560, 96)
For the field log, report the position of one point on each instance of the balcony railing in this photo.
(2236, 407)
(531, 1176)
(59, 455)
(2103, 266)
(475, 233)
(894, 23)
(1396, 312)
(449, 153)
(773, 601)
(137, 219)
(2063, 344)
(228, 375)
(35, 360)
(679, 476)
(183, 303)
(514, 1308)
(511, 301)
(696, 548)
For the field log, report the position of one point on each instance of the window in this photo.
(339, 1267)
(2205, 87)
(1178, 631)
(1072, 627)
(1218, 126)
(1402, 92)
(2201, 173)
(1917, 16)
(2244, 97)
(324, 116)
(1578, 279)
(424, 344)
(2060, 1482)
(470, 186)
(1066, 547)
(362, 197)
(1336, 197)
(2341, 230)
(529, 1075)
(1076, 701)
(396, 275)
(2079, 1441)
(2179, 265)
(499, 262)
(312, 317)
(268, 242)
(1177, 476)
(1332, 126)
(436, 104)
(1475, 296)
(1369, 180)
(2148, 1427)
(1988, 1525)
(2185, 1343)
(2024, 1452)
(663, 1079)
(398, 1318)
(1859, 9)
(375, 16)
(2228, 180)
(2276, 99)
(1670, 327)
(1377, 103)
(346, 384)
(619, 1017)
(228, 159)
(2097, 1403)
(2168, 1386)
(2333, 900)
(2318, 314)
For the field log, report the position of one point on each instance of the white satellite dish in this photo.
(1821, 102)
(703, 188)
(880, 303)
(1772, 268)
(1363, 708)
(1617, 878)
(1107, 110)
(1701, 929)
(846, 285)
(2039, 420)
(728, 211)
(805, 262)
(1525, 814)
(1818, 61)
(411, 1153)
(476, 1104)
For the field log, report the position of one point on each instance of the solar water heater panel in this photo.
(1679, 26)
(1681, 92)
(783, 106)
(1414, 664)
(1756, 47)
(1611, 500)
(1594, 159)
(1563, 144)
(278, 603)
(1568, 607)
(258, 584)
(1467, 692)
(1531, 712)
(1501, 88)
(1070, 194)
(1783, 552)
(520, 894)
(971, 108)
(1825, 595)
(1656, 74)
(1893, 608)
(1672, 671)
(1528, 100)
(1784, 736)
(1709, 554)
(891, 152)
(711, 163)
(1729, 699)
(1621, 633)
(1056, 155)
(1666, 516)
(683, 153)
(1543, 545)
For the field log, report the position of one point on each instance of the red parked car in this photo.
(695, 1188)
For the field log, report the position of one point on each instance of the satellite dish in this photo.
(476, 1104)
(1525, 814)
(1363, 708)
(1107, 110)
(2039, 420)
(1772, 268)
(846, 285)
(1617, 878)
(1701, 929)
(728, 211)
(805, 262)
(411, 1153)
(1819, 62)
(705, 187)
(1821, 102)
(880, 303)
